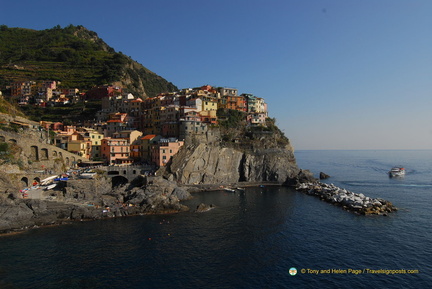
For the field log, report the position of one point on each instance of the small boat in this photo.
(87, 175)
(396, 172)
(48, 180)
(230, 190)
(50, 187)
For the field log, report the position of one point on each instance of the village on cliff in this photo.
(130, 129)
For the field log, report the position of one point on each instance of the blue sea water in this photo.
(251, 239)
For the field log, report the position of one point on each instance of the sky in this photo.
(336, 74)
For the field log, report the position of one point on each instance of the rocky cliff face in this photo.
(207, 159)
(90, 200)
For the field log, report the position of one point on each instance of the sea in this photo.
(264, 237)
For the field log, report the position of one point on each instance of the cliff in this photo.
(256, 157)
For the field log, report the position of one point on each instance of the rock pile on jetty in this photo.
(357, 203)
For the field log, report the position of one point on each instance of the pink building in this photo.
(51, 84)
(257, 118)
(162, 152)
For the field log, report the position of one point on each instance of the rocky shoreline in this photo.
(95, 199)
(353, 202)
(89, 200)
(85, 200)
(92, 199)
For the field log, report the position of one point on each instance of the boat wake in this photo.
(379, 184)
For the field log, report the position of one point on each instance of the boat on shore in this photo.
(48, 180)
(89, 175)
(396, 172)
(50, 187)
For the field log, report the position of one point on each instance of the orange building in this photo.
(116, 151)
(236, 102)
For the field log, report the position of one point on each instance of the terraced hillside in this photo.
(75, 56)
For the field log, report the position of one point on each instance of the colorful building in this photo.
(209, 103)
(23, 88)
(130, 135)
(116, 151)
(257, 118)
(80, 147)
(236, 102)
(146, 144)
(209, 116)
(164, 150)
(225, 91)
(101, 92)
(96, 145)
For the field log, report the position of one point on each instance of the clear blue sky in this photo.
(336, 74)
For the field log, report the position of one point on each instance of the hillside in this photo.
(75, 56)
(8, 108)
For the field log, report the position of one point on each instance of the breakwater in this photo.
(353, 202)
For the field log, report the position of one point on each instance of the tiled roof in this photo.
(149, 136)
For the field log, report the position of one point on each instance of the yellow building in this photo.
(96, 142)
(209, 103)
(80, 147)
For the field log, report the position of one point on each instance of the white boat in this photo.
(48, 180)
(229, 190)
(50, 187)
(87, 175)
(396, 172)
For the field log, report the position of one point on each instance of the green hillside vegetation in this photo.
(68, 114)
(234, 129)
(8, 108)
(73, 55)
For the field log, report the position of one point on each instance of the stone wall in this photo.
(35, 159)
(36, 153)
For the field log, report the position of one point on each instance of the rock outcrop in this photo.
(201, 208)
(90, 200)
(323, 176)
(211, 161)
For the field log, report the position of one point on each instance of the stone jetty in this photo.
(357, 203)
